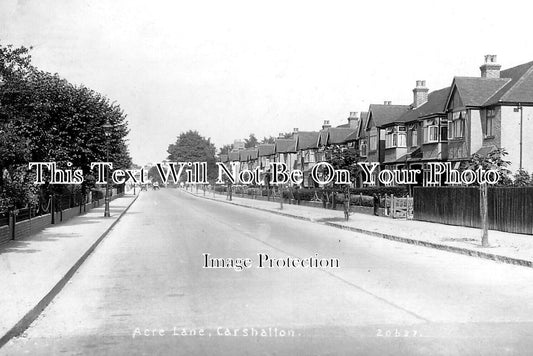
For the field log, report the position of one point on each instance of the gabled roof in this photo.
(520, 87)
(436, 104)
(383, 115)
(475, 91)
(362, 124)
(323, 138)
(248, 154)
(234, 156)
(285, 145)
(337, 136)
(266, 149)
(307, 140)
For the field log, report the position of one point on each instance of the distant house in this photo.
(285, 152)
(385, 133)
(306, 158)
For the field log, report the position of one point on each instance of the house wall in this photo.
(510, 137)
(476, 131)
(496, 128)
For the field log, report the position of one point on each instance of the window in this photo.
(456, 124)
(362, 149)
(373, 142)
(443, 130)
(431, 131)
(395, 137)
(414, 136)
(489, 119)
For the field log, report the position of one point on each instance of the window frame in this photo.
(490, 114)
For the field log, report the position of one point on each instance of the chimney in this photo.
(238, 145)
(490, 69)
(353, 119)
(295, 130)
(387, 102)
(281, 135)
(420, 93)
(326, 125)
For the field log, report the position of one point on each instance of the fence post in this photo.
(52, 209)
(12, 221)
(483, 201)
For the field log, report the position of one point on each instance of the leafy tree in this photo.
(493, 160)
(270, 140)
(44, 118)
(522, 179)
(251, 141)
(224, 150)
(190, 146)
(341, 157)
(154, 176)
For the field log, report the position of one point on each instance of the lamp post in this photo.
(107, 131)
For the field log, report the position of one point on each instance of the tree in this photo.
(251, 141)
(341, 157)
(270, 140)
(226, 149)
(44, 118)
(522, 179)
(190, 146)
(493, 160)
(154, 176)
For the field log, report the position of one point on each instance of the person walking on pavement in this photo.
(376, 204)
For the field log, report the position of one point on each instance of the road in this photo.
(144, 286)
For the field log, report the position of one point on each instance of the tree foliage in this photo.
(493, 160)
(44, 118)
(226, 149)
(190, 146)
(341, 157)
(522, 179)
(251, 141)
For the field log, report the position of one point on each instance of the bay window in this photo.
(395, 137)
(414, 135)
(456, 124)
(431, 131)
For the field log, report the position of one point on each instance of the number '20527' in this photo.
(396, 333)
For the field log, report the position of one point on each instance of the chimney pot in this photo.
(386, 102)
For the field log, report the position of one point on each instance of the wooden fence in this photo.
(510, 209)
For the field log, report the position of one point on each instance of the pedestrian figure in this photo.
(376, 204)
(347, 204)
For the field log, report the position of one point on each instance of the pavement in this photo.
(504, 247)
(34, 269)
(144, 291)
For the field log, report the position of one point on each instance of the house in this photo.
(248, 158)
(285, 151)
(306, 157)
(423, 128)
(383, 131)
(493, 110)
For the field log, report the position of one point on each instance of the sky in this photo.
(230, 68)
